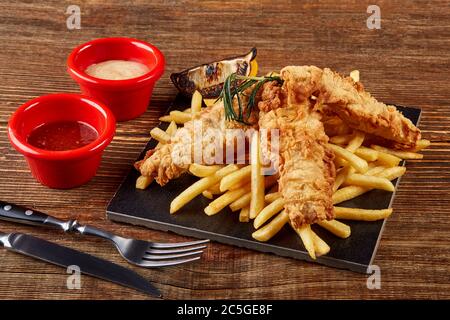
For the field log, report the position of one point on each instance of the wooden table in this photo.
(407, 61)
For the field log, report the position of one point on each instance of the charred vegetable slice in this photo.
(208, 78)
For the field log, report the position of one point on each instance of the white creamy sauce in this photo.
(117, 70)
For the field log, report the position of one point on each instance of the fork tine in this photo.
(150, 264)
(173, 251)
(161, 245)
(170, 256)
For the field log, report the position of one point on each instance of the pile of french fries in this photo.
(243, 189)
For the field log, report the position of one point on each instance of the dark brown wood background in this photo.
(406, 62)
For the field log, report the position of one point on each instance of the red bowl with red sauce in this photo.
(62, 137)
(127, 98)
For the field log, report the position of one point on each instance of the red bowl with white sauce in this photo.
(40, 128)
(127, 98)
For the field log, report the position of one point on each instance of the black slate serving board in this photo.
(150, 208)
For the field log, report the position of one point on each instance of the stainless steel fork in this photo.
(138, 252)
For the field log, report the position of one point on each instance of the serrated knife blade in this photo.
(65, 257)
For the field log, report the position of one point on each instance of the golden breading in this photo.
(348, 100)
(306, 165)
(160, 163)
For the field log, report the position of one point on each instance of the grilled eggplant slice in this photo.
(208, 78)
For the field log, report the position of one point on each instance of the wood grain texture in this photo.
(406, 62)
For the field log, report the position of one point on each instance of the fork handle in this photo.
(92, 231)
(15, 213)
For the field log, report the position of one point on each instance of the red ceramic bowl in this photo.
(126, 98)
(69, 168)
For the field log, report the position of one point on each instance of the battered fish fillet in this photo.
(171, 160)
(347, 99)
(306, 165)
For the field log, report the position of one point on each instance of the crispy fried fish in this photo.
(160, 162)
(349, 101)
(171, 160)
(309, 97)
(306, 165)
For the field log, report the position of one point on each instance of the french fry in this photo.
(356, 141)
(351, 192)
(375, 170)
(209, 102)
(166, 118)
(372, 164)
(392, 173)
(359, 164)
(337, 228)
(320, 246)
(242, 202)
(196, 102)
(269, 181)
(307, 237)
(245, 199)
(342, 176)
(340, 162)
(187, 110)
(215, 189)
(269, 230)
(421, 144)
(398, 153)
(348, 192)
(361, 214)
(341, 139)
(268, 212)
(208, 195)
(180, 116)
(243, 215)
(199, 186)
(202, 171)
(271, 197)
(387, 159)
(160, 135)
(355, 75)
(242, 174)
(171, 128)
(239, 184)
(366, 153)
(228, 197)
(257, 179)
(143, 182)
(370, 182)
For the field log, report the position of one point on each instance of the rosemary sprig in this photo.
(234, 86)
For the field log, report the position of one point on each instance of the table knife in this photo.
(65, 257)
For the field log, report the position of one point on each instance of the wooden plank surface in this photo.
(407, 62)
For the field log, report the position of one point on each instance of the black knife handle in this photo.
(15, 213)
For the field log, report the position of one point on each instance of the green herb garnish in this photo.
(234, 86)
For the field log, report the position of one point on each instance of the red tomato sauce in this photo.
(62, 135)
